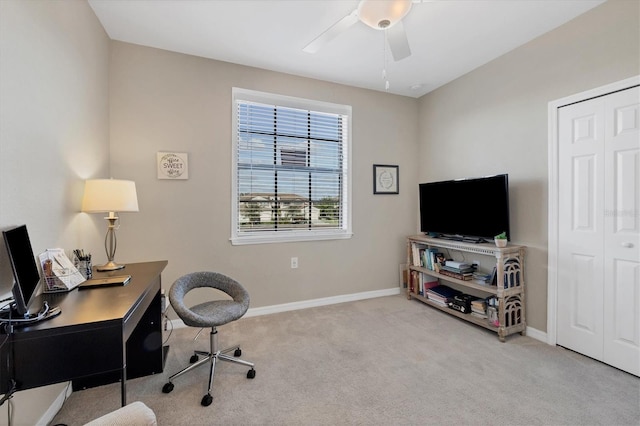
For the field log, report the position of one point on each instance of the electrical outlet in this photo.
(294, 263)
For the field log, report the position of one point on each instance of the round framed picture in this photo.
(173, 165)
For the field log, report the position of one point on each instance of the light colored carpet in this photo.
(386, 361)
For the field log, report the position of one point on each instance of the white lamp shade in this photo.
(372, 12)
(109, 195)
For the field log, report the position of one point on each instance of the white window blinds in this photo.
(291, 171)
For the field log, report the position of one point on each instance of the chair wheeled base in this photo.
(211, 357)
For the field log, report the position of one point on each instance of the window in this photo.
(291, 174)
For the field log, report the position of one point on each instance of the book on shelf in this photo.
(479, 303)
(464, 277)
(423, 259)
(438, 302)
(457, 265)
(429, 282)
(431, 258)
(442, 301)
(479, 314)
(458, 270)
(413, 281)
(444, 290)
(494, 279)
(419, 282)
(479, 307)
(421, 256)
(415, 254)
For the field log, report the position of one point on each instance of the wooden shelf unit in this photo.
(510, 279)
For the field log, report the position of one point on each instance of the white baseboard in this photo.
(294, 306)
(534, 333)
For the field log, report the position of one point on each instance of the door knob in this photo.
(627, 245)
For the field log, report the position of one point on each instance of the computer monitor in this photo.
(23, 264)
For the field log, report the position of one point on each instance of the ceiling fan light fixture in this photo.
(383, 14)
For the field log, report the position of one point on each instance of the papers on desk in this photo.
(58, 272)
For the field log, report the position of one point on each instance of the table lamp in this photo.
(110, 196)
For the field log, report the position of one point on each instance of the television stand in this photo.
(508, 294)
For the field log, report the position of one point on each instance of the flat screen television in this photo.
(471, 209)
(23, 264)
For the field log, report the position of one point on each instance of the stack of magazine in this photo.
(485, 278)
(459, 270)
(479, 308)
(442, 294)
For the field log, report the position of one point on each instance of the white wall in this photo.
(163, 101)
(54, 133)
(494, 120)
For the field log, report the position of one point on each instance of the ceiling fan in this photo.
(384, 15)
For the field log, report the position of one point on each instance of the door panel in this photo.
(580, 249)
(622, 231)
(584, 297)
(583, 211)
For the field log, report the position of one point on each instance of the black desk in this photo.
(102, 335)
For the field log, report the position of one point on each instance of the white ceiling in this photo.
(448, 38)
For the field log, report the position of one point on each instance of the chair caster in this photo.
(251, 374)
(193, 358)
(206, 400)
(168, 387)
(238, 352)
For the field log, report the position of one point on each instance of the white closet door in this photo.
(622, 231)
(580, 247)
(599, 229)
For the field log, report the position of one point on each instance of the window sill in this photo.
(270, 239)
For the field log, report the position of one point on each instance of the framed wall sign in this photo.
(173, 165)
(385, 179)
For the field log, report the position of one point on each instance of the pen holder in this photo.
(84, 266)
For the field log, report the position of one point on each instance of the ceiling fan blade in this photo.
(333, 31)
(398, 43)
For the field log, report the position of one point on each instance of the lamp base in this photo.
(109, 266)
